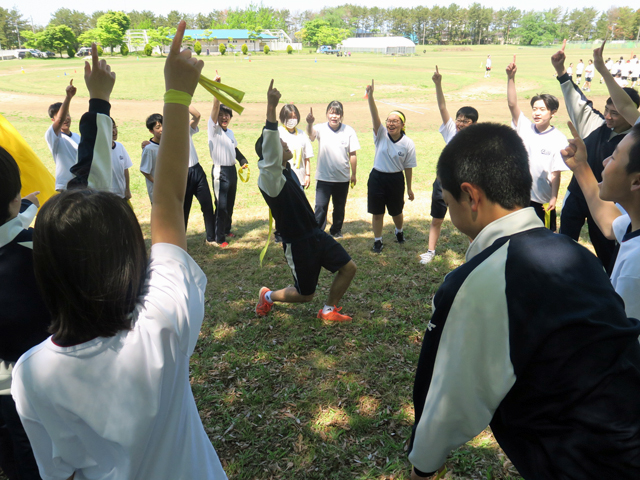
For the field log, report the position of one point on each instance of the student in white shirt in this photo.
(120, 164)
(588, 76)
(61, 141)
(393, 163)
(487, 70)
(543, 143)
(150, 152)
(108, 395)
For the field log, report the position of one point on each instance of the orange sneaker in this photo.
(263, 307)
(334, 316)
(224, 244)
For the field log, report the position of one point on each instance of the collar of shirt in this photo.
(516, 222)
(13, 227)
(615, 134)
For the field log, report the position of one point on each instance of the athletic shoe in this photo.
(400, 237)
(377, 246)
(334, 316)
(337, 235)
(224, 245)
(263, 307)
(230, 235)
(427, 257)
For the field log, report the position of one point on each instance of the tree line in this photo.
(69, 29)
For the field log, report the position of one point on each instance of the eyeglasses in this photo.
(464, 121)
(224, 115)
(394, 122)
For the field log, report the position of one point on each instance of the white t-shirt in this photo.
(636, 70)
(588, 72)
(148, 165)
(120, 161)
(392, 157)
(488, 63)
(544, 156)
(579, 68)
(64, 149)
(448, 130)
(222, 145)
(609, 65)
(570, 70)
(122, 407)
(193, 155)
(625, 276)
(334, 148)
(301, 148)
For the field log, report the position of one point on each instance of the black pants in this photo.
(541, 213)
(16, 456)
(574, 213)
(324, 192)
(198, 186)
(225, 185)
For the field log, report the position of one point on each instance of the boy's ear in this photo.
(473, 193)
(635, 182)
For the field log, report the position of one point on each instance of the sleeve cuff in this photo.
(271, 125)
(97, 105)
(420, 473)
(564, 78)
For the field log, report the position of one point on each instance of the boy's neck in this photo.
(543, 128)
(156, 140)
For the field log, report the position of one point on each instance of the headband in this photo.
(401, 115)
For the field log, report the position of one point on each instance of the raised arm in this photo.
(181, 73)
(623, 103)
(575, 156)
(215, 110)
(61, 116)
(512, 95)
(375, 117)
(195, 117)
(310, 130)
(442, 104)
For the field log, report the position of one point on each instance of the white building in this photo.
(381, 45)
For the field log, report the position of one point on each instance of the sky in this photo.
(39, 11)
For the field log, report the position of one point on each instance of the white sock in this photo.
(398, 231)
(375, 239)
(327, 309)
(267, 296)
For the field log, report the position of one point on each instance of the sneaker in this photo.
(377, 246)
(337, 235)
(427, 257)
(230, 235)
(224, 245)
(334, 315)
(400, 237)
(263, 307)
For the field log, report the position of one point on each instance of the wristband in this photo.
(176, 96)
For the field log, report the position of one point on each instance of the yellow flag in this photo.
(33, 174)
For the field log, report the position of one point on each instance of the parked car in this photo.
(83, 52)
(327, 49)
(48, 54)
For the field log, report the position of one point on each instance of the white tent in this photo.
(383, 45)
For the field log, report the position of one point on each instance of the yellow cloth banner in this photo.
(241, 174)
(266, 246)
(33, 174)
(547, 215)
(220, 91)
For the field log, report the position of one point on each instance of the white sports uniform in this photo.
(301, 148)
(579, 68)
(120, 161)
(625, 276)
(544, 156)
(122, 407)
(448, 130)
(222, 145)
(390, 156)
(64, 149)
(334, 148)
(148, 164)
(589, 71)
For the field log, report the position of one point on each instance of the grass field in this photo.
(287, 396)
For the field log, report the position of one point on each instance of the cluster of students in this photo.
(529, 336)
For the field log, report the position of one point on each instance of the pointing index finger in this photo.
(177, 39)
(564, 44)
(574, 132)
(514, 59)
(271, 85)
(94, 56)
(437, 71)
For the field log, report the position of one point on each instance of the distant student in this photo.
(61, 141)
(120, 164)
(108, 395)
(150, 152)
(297, 141)
(223, 148)
(588, 76)
(543, 142)
(393, 164)
(24, 317)
(487, 70)
(307, 248)
(464, 117)
(570, 70)
(336, 165)
(579, 70)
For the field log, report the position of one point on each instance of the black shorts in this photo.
(633, 79)
(385, 189)
(438, 207)
(307, 256)
(587, 79)
(578, 75)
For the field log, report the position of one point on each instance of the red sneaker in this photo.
(224, 245)
(263, 307)
(334, 316)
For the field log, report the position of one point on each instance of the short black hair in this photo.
(337, 107)
(633, 94)
(468, 112)
(10, 183)
(550, 101)
(492, 157)
(90, 263)
(287, 110)
(225, 109)
(634, 152)
(53, 109)
(153, 119)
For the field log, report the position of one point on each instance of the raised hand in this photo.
(558, 59)
(217, 78)
(181, 71)
(437, 78)
(33, 198)
(273, 96)
(370, 89)
(310, 117)
(598, 57)
(98, 76)
(575, 154)
(512, 69)
(71, 90)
